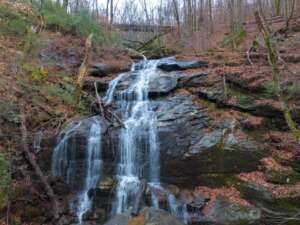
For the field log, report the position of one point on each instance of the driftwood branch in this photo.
(31, 158)
(139, 197)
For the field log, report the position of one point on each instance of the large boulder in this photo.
(163, 84)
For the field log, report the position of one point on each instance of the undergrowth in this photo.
(81, 23)
(13, 22)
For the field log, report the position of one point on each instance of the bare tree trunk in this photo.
(111, 14)
(146, 12)
(277, 7)
(190, 15)
(66, 4)
(291, 14)
(211, 22)
(201, 13)
(177, 17)
(107, 10)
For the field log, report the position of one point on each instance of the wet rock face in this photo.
(180, 122)
(75, 146)
(187, 150)
(162, 84)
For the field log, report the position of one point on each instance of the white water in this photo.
(139, 134)
(63, 158)
(139, 155)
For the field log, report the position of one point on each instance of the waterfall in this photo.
(139, 134)
(138, 147)
(139, 155)
(64, 160)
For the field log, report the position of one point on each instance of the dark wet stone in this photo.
(173, 65)
(194, 80)
(186, 150)
(99, 70)
(162, 85)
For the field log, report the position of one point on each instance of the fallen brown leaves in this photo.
(278, 191)
(231, 193)
(269, 163)
(283, 145)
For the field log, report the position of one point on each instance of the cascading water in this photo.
(139, 156)
(139, 133)
(63, 164)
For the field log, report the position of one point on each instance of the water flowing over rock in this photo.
(139, 153)
(81, 170)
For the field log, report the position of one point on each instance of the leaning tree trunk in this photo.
(274, 58)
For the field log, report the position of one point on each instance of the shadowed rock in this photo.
(173, 65)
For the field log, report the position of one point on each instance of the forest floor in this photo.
(42, 85)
